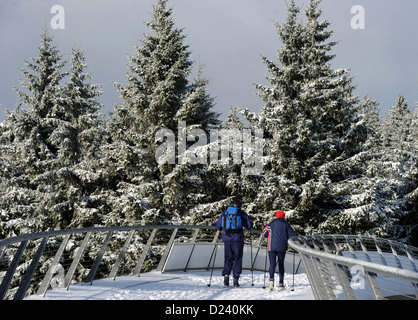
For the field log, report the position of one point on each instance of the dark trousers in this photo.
(277, 257)
(233, 258)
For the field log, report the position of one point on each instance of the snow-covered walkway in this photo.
(181, 286)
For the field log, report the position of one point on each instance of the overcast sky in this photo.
(227, 36)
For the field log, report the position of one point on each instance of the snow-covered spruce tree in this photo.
(6, 173)
(156, 96)
(335, 128)
(397, 126)
(309, 119)
(397, 172)
(28, 147)
(191, 181)
(45, 142)
(197, 105)
(218, 182)
(414, 129)
(279, 113)
(240, 168)
(277, 119)
(377, 197)
(357, 202)
(368, 110)
(413, 196)
(19, 205)
(80, 134)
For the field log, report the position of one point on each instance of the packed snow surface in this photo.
(183, 286)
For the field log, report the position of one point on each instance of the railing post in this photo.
(363, 247)
(310, 273)
(119, 260)
(144, 254)
(380, 252)
(76, 260)
(20, 294)
(47, 279)
(395, 254)
(167, 250)
(415, 287)
(194, 244)
(374, 287)
(319, 279)
(341, 274)
(411, 259)
(257, 245)
(11, 270)
(96, 263)
(215, 239)
(326, 277)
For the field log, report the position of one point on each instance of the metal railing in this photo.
(358, 267)
(337, 266)
(34, 263)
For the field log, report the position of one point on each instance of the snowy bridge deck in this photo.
(191, 285)
(174, 262)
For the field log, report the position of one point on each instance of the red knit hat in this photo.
(280, 214)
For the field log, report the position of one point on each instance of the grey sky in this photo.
(227, 36)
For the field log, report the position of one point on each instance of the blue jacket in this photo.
(239, 236)
(277, 233)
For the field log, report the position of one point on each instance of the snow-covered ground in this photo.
(192, 285)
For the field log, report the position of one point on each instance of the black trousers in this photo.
(276, 257)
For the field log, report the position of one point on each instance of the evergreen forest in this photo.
(328, 158)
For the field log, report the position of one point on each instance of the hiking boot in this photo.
(281, 286)
(226, 280)
(271, 284)
(236, 284)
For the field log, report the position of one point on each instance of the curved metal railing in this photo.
(33, 263)
(338, 266)
(358, 267)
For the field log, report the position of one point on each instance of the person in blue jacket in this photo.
(233, 245)
(277, 233)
